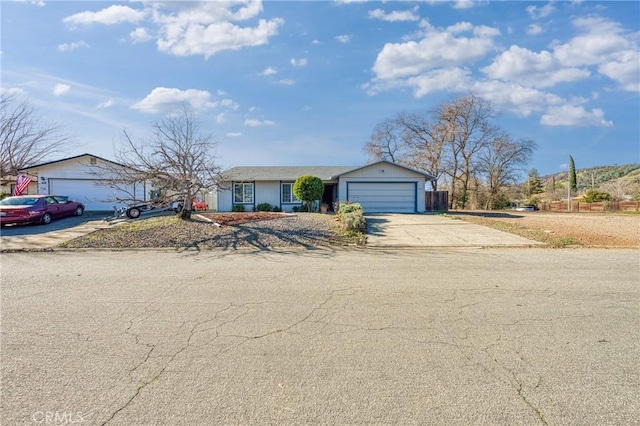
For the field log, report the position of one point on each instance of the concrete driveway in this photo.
(434, 230)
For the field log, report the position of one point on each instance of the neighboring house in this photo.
(8, 184)
(380, 187)
(82, 179)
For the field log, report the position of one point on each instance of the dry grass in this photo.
(564, 229)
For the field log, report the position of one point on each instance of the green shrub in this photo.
(594, 196)
(264, 207)
(308, 189)
(277, 209)
(354, 221)
(348, 207)
(238, 208)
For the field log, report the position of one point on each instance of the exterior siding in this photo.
(384, 173)
(77, 177)
(225, 202)
(267, 192)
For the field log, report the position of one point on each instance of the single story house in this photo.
(379, 187)
(83, 179)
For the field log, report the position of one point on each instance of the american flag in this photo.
(22, 183)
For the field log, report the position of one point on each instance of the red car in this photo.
(37, 208)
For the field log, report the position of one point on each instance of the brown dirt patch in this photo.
(241, 217)
(564, 229)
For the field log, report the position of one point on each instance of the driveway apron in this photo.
(434, 230)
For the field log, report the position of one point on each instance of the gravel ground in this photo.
(304, 230)
(563, 229)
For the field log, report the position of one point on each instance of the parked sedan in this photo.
(37, 208)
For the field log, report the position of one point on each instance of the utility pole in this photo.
(569, 187)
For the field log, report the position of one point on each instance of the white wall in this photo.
(383, 173)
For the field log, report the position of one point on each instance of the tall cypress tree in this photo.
(573, 179)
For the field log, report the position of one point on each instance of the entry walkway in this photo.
(433, 230)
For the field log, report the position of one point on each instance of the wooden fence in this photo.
(436, 201)
(606, 206)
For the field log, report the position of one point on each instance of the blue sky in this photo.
(305, 83)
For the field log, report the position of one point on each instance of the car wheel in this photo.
(46, 219)
(133, 213)
(178, 208)
(79, 211)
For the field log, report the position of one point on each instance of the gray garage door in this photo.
(95, 197)
(388, 197)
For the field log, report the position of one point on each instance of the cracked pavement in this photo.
(513, 337)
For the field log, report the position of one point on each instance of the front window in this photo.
(287, 194)
(243, 193)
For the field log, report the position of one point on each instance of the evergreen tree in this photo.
(534, 182)
(573, 180)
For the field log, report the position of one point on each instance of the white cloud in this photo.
(60, 89)
(605, 44)
(316, 42)
(67, 47)
(395, 16)
(343, 38)
(439, 48)
(532, 69)
(112, 15)
(206, 28)
(221, 118)
(516, 98)
(258, 123)
(625, 70)
(228, 103)
(541, 12)
(287, 82)
(106, 104)
(464, 4)
(140, 35)
(298, 62)
(269, 71)
(534, 29)
(234, 134)
(190, 28)
(163, 99)
(570, 115)
(10, 91)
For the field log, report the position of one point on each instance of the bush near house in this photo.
(237, 208)
(351, 216)
(308, 189)
(264, 207)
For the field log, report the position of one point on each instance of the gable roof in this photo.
(291, 173)
(271, 173)
(382, 162)
(67, 159)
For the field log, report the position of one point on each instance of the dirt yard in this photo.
(564, 229)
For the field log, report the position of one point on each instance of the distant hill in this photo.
(594, 177)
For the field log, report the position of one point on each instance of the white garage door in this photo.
(388, 197)
(94, 197)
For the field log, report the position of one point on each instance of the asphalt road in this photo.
(495, 336)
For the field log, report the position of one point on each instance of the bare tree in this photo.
(176, 158)
(386, 142)
(501, 162)
(467, 124)
(426, 143)
(453, 143)
(25, 138)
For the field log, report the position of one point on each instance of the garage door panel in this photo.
(384, 197)
(94, 196)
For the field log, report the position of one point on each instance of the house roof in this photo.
(271, 173)
(67, 159)
(427, 175)
(284, 173)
